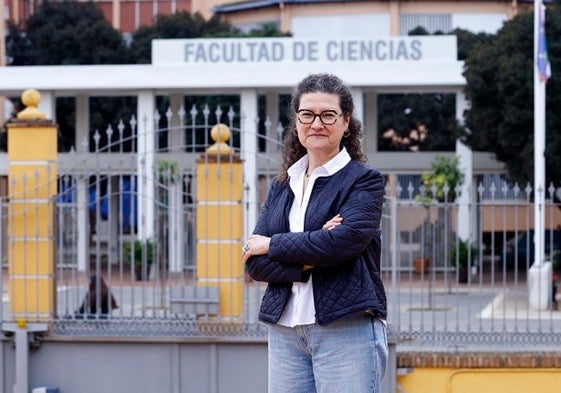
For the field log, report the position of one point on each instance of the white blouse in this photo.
(300, 309)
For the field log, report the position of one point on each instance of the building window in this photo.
(479, 23)
(432, 23)
(341, 26)
(417, 122)
(247, 27)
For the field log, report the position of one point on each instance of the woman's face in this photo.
(318, 137)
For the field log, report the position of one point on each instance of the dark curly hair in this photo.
(292, 149)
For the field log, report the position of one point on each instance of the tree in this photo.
(269, 29)
(179, 25)
(499, 75)
(468, 41)
(185, 25)
(445, 172)
(68, 32)
(18, 45)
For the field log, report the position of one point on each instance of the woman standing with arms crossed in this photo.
(317, 245)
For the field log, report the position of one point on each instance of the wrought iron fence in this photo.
(476, 289)
(113, 279)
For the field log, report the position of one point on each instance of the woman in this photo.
(317, 244)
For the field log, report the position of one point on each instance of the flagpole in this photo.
(539, 146)
(539, 274)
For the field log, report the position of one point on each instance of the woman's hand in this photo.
(335, 221)
(255, 245)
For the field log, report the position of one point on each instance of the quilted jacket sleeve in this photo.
(263, 268)
(361, 210)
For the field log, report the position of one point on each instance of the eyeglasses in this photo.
(326, 117)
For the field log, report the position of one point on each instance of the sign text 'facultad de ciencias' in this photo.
(280, 50)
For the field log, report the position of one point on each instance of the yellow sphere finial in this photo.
(22, 323)
(31, 99)
(220, 133)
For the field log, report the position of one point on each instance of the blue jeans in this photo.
(348, 356)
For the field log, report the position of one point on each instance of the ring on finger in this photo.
(245, 248)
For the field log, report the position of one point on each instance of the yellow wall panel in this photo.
(32, 295)
(231, 297)
(421, 378)
(220, 182)
(220, 222)
(481, 380)
(34, 143)
(31, 219)
(505, 381)
(32, 181)
(219, 260)
(31, 258)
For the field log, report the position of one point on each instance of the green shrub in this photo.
(138, 250)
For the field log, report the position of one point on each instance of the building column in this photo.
(248, 130)
(48, 105)
(272, 115)
(82, 182)
(116, 14)
(394, 18)
(176, 217)
(358, 98)
(176, 124)
(145, 136)
(466, 213)
(285, 18)
(82, 123)
(370, 143)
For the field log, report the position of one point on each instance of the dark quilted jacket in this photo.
(346, 259)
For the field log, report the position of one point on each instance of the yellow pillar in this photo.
(220, 223)
(32, 182)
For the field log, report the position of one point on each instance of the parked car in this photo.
(522, 246)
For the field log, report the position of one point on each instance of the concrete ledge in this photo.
(520, 359)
